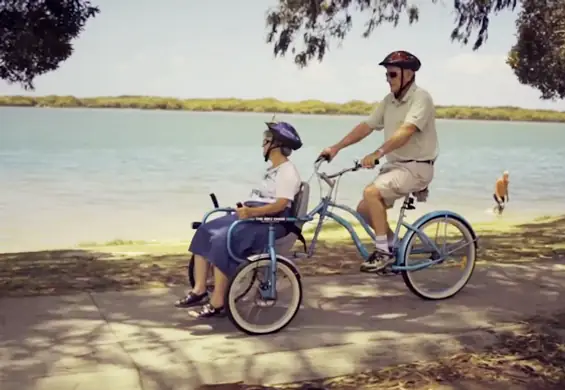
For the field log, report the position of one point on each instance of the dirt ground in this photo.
(533, 358)
(66, 271)
(530, 358)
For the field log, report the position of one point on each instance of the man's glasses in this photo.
(266, 142)
(391, 75)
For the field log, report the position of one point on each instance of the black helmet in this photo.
(284, 135)
(403, 60)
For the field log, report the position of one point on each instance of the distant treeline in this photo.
(268, 105)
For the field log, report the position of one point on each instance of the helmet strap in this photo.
(403, 88)
(272, 146)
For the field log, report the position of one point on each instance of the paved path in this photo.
(137, 340)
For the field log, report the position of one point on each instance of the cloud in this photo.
(476, 64)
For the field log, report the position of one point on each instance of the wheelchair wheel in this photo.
(251, 278)
(191, 280)
(446, 278)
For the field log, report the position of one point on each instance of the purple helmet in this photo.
(285, 135)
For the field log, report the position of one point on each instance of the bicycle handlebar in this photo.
(327, 178)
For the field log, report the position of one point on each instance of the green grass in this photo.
(131, 264)
(331, 232)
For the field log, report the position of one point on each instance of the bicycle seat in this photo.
(422, 195)
(422, 190)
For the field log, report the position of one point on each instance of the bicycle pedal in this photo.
(386, 272)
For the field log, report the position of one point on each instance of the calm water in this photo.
(73, 175)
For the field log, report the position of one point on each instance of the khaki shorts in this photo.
(398, 179)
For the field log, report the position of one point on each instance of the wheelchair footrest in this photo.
(196, 225)
(300, 255)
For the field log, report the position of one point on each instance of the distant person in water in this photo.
(500, 195)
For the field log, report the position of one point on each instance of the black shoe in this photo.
(207, 311)
(191, 299)
(378, 261)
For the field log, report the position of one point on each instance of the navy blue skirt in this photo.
(210, 240)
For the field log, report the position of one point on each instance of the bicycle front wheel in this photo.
(455, 258)
(247, 308)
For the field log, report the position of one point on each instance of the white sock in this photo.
(381, 242)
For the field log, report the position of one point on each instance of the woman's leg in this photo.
(245, 237)
(220, 286)
(201, 247)
(201, 267)
(199, 292)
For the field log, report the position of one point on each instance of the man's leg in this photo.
(376, 205)
(363, 210)
(502, 204)
(376, 209)
(391, 184)
(499, 206)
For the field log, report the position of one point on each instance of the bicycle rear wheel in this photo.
(254, 277)
(458, 242)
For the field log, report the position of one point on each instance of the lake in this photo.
(77, 175)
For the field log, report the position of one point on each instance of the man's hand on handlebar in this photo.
(370, 160)
(328, 154)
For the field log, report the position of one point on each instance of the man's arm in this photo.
(397, 140)
(421, 111)
(375, 121)
(358, 133)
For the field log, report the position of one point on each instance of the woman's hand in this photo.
(244, 212)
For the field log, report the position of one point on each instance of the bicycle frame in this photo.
(322, 210)
(325, 203)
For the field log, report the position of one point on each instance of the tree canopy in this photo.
(36, 35)
(323, 21)
(538, 57)
(307, 27)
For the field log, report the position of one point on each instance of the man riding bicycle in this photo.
(407, 115)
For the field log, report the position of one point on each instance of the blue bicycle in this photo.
(415, 252)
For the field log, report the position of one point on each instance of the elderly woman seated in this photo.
(272, 197)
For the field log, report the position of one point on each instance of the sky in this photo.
(213, 49)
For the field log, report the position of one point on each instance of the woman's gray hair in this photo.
(286, 151)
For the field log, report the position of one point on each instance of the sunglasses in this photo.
(391, 75)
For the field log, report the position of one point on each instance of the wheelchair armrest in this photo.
(270, 220)
(227, 210)
(275, 220)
